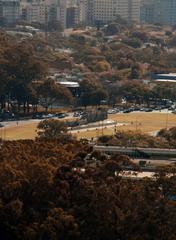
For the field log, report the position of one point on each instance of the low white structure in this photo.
(69, 84)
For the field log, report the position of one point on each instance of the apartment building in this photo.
(72, 16)
(165, 12)
(76, 11)
(44, 11)
(62, 12)
(129, 10)
(35, 12)
(147, 11)
(104, 11)
(159, 11)
(9, 12)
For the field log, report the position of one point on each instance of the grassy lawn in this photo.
(146, 122)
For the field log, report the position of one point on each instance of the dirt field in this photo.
(27, 131)
(146, 122)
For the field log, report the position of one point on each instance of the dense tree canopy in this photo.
(54, 129)
(19, 68)
(164, 139)
(91, 93)
(50, 92)
(45, 195)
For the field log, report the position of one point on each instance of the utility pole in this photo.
(102, 129)
(136, 124)
(167, 118)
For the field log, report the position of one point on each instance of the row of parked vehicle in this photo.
(141, 109)
(49, 115)
(80, 114)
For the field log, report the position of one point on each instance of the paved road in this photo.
(154, 162)
(9, 124)
(95, 126)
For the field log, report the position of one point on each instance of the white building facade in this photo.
(107, 10)
(44, 11)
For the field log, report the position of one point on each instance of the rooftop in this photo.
(166, 80)
(69, 84)
(167, 74)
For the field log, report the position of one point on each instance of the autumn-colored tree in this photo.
(91, 93)
(137, 139)
(51, 92)
(136, 91)
(103, 66)
(112, 29)
(43, 195)
(19, 68)
(51, 129)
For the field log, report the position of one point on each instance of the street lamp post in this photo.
(136, 123)
(167, 118)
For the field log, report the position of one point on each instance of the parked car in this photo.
(136, 108)
(127, 111)
(5, 116)
(77, 114)
(148, 110)
(61, 115)
(171, 108)
(158, 108)
(111, 111)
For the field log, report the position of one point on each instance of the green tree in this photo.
(50, 92)
(51, 129)
(112, 29)
(19, 69)
(55, 26)
(133, 42)
(91, 93)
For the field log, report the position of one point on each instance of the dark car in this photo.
(127, 111)
(37, 116)
(76, 114)
(61, 115)
(6, 116)
(148, 110)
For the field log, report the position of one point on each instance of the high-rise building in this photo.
(147, 11)
(89, 6)
(104, 11)
(44, 11)
(72, 16)
(9, 12)
(62, 12)
(129, 10)
(159, 11)
(165, 12)
(82, 11)
(35, 13)
(73, 13)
